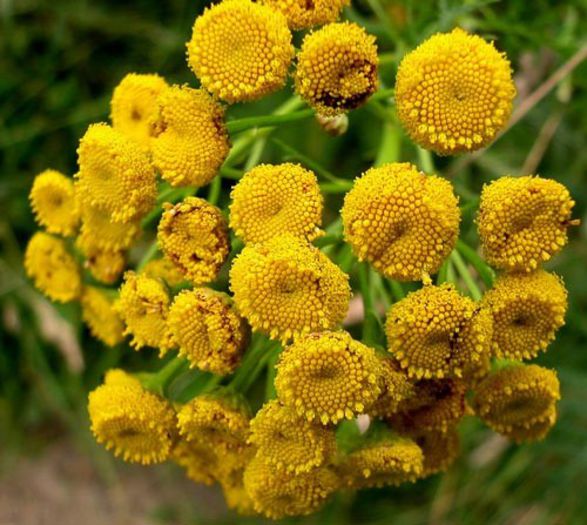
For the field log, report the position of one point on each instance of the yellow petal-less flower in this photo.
(105, 266)
(144, 305)
(395, 388)
(527, 311)
(454, 92)
(193, 234)
(200, 460)
(277, 495)
(190, 141)
(523, 221)
(289, 444)
(271, 200)
(208, 330)
(285, 288)
(337, 68)
(53, 202)
(163, 268)
(387, 461)
(240, 50)
(517, 397)
(115, 174)
(404, 222)
(52, 268)
(302, 14)
(217, 420)
(102, 319)
(436, 406)
(328, 377)
(135, 424)
(437, 332)
(236, 496)
(536, 431)
(99, 233)
(134, 105)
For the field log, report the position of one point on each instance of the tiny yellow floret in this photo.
(240, 50)
(99, 314)
(404, 222)
(523, 221)
(337, 68)
(436, 332)
(303, 14)
(328, 376)
(454, 92)
(193, 234)
(53, 202)
(135, 424)
(134, 105)
(285, 288)
(115, 174)
(190, 141)
(271, 200)
(52, 268)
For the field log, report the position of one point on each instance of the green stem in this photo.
(483, 269)
(442, 276)
(264, 121)
(159, 381)
(231, 173)
(466, 275)
(397, 290)
(371, 321)
(256, 153)
(383, 19)
(149, 255)
(389, 149)
(336, 187)
(327, 240)
(215, 189)
(250, 365)
(426, 162)
(383, 94)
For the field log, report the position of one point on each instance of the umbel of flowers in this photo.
(259, 291)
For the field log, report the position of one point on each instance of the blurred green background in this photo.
(60, 60)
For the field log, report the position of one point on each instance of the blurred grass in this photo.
(59, 61)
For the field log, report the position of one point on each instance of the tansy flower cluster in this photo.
(246, 284)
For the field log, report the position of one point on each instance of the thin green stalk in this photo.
(327, 240)
(426, 162)
(231, 173)
(451, 276)
(336, 187)
(442, 276)
(159, 381)
(397, 290)
(371, 323)
(383, 94)
(249, 369)
(483, 269)
(256, 152)
(383, 19)
(466, 275)
(214, 190)
(310, 163)
(149, 255)
(264, 121)
(389, 149)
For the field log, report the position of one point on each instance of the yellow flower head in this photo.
(536, 431)
(209, 332)
(517, 397)
(137, 425)
(134, 105)
(115, 174)
(236, 496)
(302, 14)
(143, 306)
(285, 288)
(527, 311)
(523, 221)
(395, 388)
(190, 140)
(216, 420)
(454, 92)
(199, 459)
(240, 50)
(272, 200)
(289, 444)
(194, 236)
(52, 268)
(328, 376)
(337, 68)
(163, 268)
(440, 449)
(99, 314)
(105, 266)
(437, 332)
(387, 461)
(404, 222)
(99, 233)
(436, 406)
(53, 201)
(277, 495)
